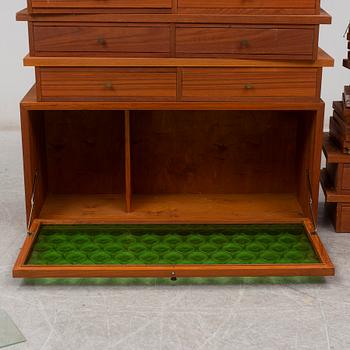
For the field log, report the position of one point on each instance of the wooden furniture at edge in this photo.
(335, 179)
(168, 91)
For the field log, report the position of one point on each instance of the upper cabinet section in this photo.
(179, 6)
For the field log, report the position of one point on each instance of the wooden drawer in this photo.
(108, 4)
(258, 41)
(339, 176)
(338, 133)
(221, 84)
(110, 84)
(294, 6)
(102, 40)
(340, 216)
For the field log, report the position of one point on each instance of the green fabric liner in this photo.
(171, 244)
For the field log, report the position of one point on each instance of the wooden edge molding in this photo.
(322, 18)
(323, 60)
(30, 102)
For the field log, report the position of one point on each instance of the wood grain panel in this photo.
(238, 41)
(249, 4)
(76, 84)
(343, 217)
(101, 4)
(80, 40)
(213, 152)
(85, 151)
(174, 208)
(231, 84)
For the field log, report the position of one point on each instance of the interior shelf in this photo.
(201, 208)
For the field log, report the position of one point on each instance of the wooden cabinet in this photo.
(173, 139)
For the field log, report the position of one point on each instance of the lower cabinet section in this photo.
(169, 193)
(178, 84)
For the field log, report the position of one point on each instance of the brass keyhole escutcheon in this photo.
(108, 86)
(101, 40)
(244, 43)
(248, 86)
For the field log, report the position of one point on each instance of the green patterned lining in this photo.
(171, 244)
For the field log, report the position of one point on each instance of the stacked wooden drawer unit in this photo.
(249, 70)
(335, 177)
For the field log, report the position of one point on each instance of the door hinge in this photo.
(32, 202)
(311, 206)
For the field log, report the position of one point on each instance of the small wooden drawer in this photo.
(257, 41)
(287, 6)
(101, 40)
(339, 176)
(106, 84)
(93, 4)
(231, 84)
(338, 133)
(340, 216)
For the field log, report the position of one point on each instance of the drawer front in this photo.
(110, 84)
(342, 218)
(258, 4)
(244, 83)
(238, 41)
(139, 4)
(345, 180)
(101, 40)
(339, 176)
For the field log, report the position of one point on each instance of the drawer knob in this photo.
(108, 86)
(248, 86)
(101, 40)
(244, 43)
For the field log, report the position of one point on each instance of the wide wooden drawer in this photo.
(229, 84)
(237, 41)
(102, 40)
(115, 84)
(296, 5)
(138, 4)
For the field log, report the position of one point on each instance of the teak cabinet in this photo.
(194, 124)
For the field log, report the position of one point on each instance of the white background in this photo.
(15, 80)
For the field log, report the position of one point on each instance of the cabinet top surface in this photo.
(238, 18)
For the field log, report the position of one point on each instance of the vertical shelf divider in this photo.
(128, 190)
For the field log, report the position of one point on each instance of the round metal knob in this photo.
(108, 86)
(248, 86)
(101, 40)
(244, 43)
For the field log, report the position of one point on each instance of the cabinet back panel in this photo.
(213, 152)
(84, 151)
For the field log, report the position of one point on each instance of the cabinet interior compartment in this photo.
(225, 166)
